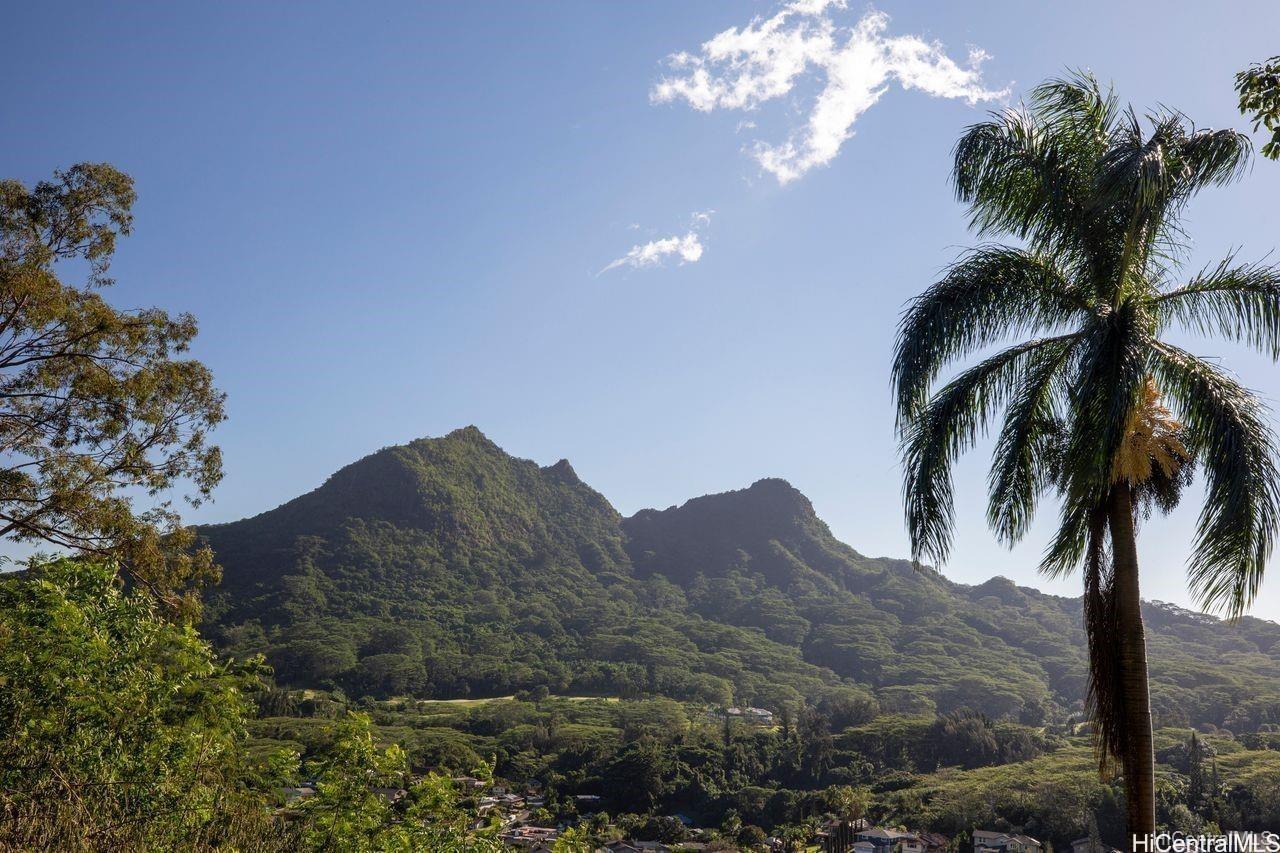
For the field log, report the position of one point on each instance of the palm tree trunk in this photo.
(1138, 762)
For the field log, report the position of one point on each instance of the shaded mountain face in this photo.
(769, 529)
(446, 567)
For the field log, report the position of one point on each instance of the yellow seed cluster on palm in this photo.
(1152, 438)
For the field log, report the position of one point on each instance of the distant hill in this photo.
(446, 567)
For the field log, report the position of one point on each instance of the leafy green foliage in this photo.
(118, 729)
(1259, 89)
(355, 807)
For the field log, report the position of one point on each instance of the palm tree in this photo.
(1094, 195)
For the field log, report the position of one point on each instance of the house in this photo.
(533, 838)
(510, 801)
(391, 795)
(541, 847)
(753, 716)
(985, 841)
(1089, 845)
(923, 842)
(934, 842)
(883, 840)
(750, 716)
(468, 783)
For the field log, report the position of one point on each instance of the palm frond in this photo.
(1035, 173)
(943, 429)
(989, 294)
(1239, 303)
(1146, 178)
(1214, 158)
(1109, 377)
(1023, 463)
(1069, 547)
(1227, 429)
(1140, 170)
(1077, 103)
(1019, 178)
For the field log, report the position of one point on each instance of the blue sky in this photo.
(395, 219)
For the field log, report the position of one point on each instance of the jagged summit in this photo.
(469, 433)
(459, 491)
(563, 471)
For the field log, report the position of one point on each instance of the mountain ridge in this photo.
(447, 567)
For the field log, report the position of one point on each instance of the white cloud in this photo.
(743, 68)
(653, 253)
(687, 247)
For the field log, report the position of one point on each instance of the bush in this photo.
(118, 729)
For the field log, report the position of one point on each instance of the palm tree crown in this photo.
(1097, 203)
(1092, 398)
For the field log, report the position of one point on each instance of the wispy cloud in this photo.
(653, 253)
(687, 248)
(744, 68)
(700, 218)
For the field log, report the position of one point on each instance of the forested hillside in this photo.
(447, 568)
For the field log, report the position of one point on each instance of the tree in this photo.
(96, 402)
(751, 837)
(1096, 198)
(118, 729)
(645, 770)
(1259, 91)
(817, 746)
(573, 840)
(847, 802)
(349, 812)
(793, 838)
(1195, 771)
(346, 809)
(962, 738)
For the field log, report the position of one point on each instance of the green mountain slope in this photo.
(446, 567)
